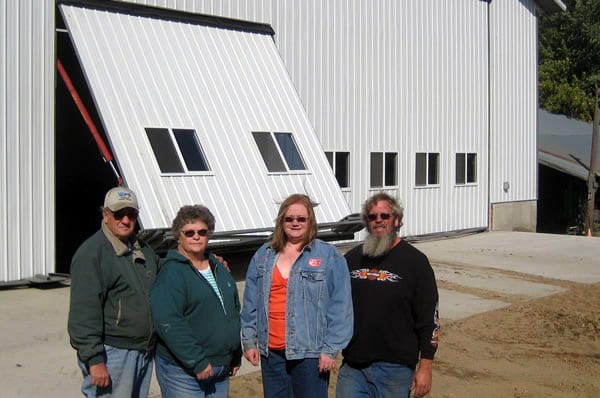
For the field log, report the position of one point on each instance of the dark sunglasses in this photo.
(191, 232)
(373, 216)
(132, 214)
(298, 219)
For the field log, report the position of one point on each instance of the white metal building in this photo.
(433, 101)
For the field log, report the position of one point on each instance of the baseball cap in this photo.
(119, 198)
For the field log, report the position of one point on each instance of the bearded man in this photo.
(395, 301)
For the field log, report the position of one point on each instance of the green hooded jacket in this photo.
(193, 326)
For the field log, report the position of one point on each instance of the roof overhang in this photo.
(559, 163)
(551, 6)
(167, 14)
(564, 144)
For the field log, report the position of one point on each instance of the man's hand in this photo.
(326, 363)
(252, 356)
(99, 375)
(421, 384)
(234, 371)
(207, 373)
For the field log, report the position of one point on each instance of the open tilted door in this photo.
(200, 109)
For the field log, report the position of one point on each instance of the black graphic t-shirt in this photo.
(395, 302)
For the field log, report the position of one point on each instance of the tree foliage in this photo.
(569, 69)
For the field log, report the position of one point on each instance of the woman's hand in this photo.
(326, 363)
(252, 356)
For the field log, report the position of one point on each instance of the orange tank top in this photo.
(277, 300)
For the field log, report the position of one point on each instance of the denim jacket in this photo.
(319, 317)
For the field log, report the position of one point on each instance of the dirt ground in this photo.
(547, 347)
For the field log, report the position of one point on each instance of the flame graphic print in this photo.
(374, 274)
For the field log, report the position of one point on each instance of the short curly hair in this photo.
(192, 213)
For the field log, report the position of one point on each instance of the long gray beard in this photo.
(375, 246)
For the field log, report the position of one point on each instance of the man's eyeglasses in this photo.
(132, 214)
(298, 219)
(373, 216)
(191, 232)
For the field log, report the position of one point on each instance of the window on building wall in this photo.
(466, 168)
(290, 151)
(177, 150)
(340, 163)
(384, 169)
(279, 151)
(190, 150)
(427, 169)
(390, 166)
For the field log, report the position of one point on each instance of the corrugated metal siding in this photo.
(26, 139)
(513, 145)
(444, 104)
(360, 67)
(397, 77)
(388, 76)
(224, 84)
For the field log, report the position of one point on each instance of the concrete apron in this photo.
(475, 274)
(491, 270)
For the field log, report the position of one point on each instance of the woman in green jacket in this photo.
(196, 313)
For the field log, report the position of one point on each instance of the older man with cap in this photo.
(110, 321)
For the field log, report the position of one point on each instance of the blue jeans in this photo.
(292, 378)
(378, 380)
(177, 383)
(130, 373)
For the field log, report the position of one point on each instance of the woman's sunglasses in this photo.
(191, 232)
(298, 219)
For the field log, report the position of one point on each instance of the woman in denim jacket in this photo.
(297, 309)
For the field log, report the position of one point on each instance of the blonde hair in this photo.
(279, 238)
